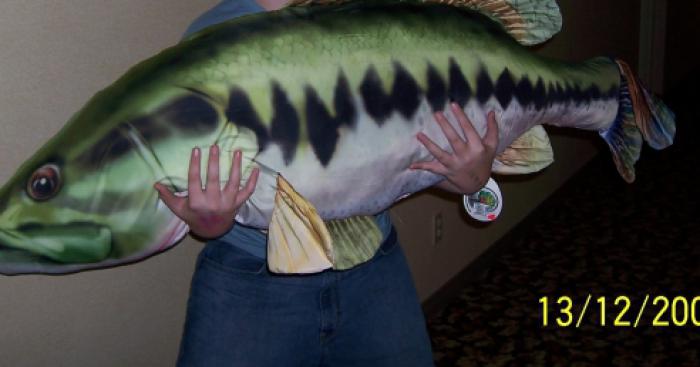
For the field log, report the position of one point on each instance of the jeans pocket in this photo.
(390, 243)
(229, 258)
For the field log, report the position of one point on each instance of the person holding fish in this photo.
(330, 111)
(241, 314)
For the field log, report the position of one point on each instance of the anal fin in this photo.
(531, 152)
(355, 240)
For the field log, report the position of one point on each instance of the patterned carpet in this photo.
(602, 237)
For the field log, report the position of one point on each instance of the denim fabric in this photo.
(239, 314)
(254, 242)
(223, 11)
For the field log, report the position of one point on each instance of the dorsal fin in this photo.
(529, 21)
(528, 153)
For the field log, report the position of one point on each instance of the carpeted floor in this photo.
(600, 237)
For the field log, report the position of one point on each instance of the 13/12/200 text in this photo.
(621, 311)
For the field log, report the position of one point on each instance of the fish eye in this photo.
(44, 183)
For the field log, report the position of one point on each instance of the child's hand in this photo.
(468, 167)
(209, 212)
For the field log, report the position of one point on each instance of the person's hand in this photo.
(468, 167)
(209, 212)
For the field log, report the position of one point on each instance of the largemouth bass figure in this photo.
(327, 98)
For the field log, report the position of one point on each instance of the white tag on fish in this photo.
(484, 205)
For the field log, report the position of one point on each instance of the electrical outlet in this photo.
(437, 228)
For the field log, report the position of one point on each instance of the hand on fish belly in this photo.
(468, 167)
(209, 212)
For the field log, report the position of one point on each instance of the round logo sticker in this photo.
(484, 205)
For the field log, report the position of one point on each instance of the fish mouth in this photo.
(38, 248)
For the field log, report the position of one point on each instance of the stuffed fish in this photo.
(326, 97)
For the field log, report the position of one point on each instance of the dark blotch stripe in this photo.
(539, 94)
(593, 92)
(112, 146)
(377, 102)
(523, 91)
(240, 111)
(561, 93)
(150, 129)
(568, 93)
(484, 86)
(285, 123)
(505, 88)
(458, 88)
(120, 145)
(577, 94)
(191, 113)
(404, 97)
(437, 90)
(551, 94)
(345, 113)
(322, 127)
(405, 94)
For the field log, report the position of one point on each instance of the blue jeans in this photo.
(239, 314)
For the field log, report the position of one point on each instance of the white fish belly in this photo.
(369, 169)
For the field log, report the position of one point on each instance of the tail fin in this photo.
(640, 117)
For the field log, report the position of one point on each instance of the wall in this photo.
(683, 35)
(56, 54)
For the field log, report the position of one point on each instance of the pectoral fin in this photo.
(529, 153)
(299, 241)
